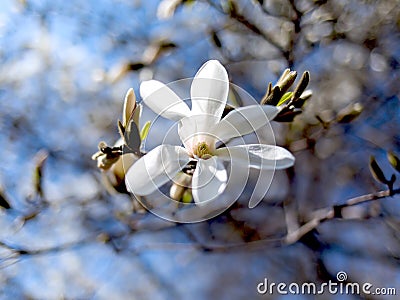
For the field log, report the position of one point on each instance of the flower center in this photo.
(202, 150)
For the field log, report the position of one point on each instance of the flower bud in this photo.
(181, 184)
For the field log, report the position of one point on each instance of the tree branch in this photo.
(319, 216)
(335, 211)
(234, 14)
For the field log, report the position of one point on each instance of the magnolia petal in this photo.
(194, 129)
(123, 164)
(209, 180)
(264, 157)
(186, 131)
(209, 90)
(155, 169)
(244, 120)
(137, 113)
(162, 100)
(260, 190)
(129, 106)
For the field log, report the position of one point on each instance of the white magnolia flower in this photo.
(200, 128)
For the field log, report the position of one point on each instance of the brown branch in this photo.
(319, 216)
(335, 211)
(240, 18)
(19, 250)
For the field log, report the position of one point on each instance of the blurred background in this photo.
(65, 69)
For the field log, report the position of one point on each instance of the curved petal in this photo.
(244, 120)
(264, 157)
(137, 113)
(209, 180)
(162, 100)
(186, 131)
(194, 129)
(209, 90)
(155, 169)
(129, 106)
(261, 188)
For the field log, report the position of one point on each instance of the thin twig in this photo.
(319, 216)
(235, 15)
(335, 211)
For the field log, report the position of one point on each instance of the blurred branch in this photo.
(345, 116)
(319, 217)
(22, 250)
(297, 18)
(269, 13)
(335, 211)
(40, 159)
(234, 14)
(4, 202)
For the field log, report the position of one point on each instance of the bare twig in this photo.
(317, 218)
(234, 14)
(22, 250)
(40, 160)
(335, 211)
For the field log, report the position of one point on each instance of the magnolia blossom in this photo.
(201, 130)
